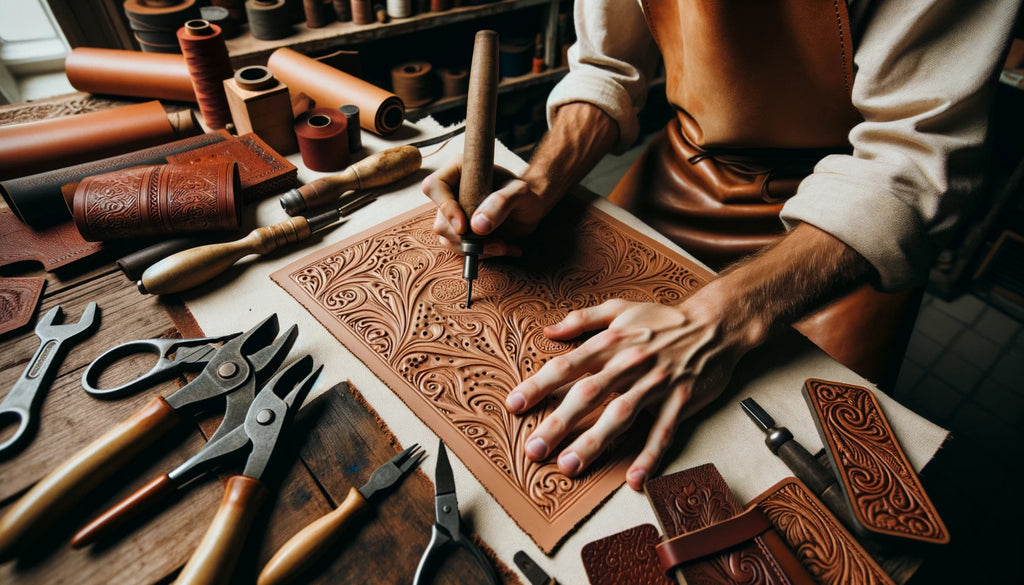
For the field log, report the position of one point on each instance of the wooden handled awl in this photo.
(189, 268)
(478, 154)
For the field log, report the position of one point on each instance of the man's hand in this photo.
(674, 360)
(513, 211)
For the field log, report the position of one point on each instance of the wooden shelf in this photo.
(246, 50)
(504, 86)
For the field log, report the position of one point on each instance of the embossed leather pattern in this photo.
(262, 170)
(884, 491)
(19, 298)
(52, 247)
(696, 498)
(158, 199)
(821, 543)
(625, 557)
(396, 299)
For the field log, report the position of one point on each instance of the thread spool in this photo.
(362, 12)
(221, 17)
(399, 8)
(155, 23)
(236, 8)
(323, 139)
(515, 57)
(440, 5)
(262, 105)
(454, 82)
(206, 57)
(355, 131)
(414, 83)
(268, 19)
(316, 13)
(343, 10)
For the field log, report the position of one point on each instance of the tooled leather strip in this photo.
(883, 489)
(712, 539)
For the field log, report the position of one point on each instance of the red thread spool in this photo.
(323, 139)
(206, 57)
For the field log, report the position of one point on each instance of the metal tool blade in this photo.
(444, 479)
(535, 574)
(758, 414)
(439, 138)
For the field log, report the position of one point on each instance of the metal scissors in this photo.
(189, 354)
(448, 526)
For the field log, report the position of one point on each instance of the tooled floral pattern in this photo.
(824, 547)
(885, 492)
(625, 557)
(402, 296)
(112, 203)
(192, 198)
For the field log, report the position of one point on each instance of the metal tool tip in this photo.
(469, 293)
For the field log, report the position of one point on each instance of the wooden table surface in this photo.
(334, 445)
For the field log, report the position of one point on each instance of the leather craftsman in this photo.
(396, 299)
(715, 178)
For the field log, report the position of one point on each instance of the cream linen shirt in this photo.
(925, 74)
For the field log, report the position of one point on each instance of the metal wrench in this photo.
(26, 395)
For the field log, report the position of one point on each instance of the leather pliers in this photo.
(233, 374)
(269, 415)
(447, 531)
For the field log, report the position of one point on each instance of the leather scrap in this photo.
(52, 247)
(825, 548)
(396, 299)
(699, 498)
(261, 169)
(19, 299)
(625, 557)
(882, 487)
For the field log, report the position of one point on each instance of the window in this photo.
(31, 45)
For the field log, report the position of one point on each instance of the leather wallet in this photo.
(880, 486)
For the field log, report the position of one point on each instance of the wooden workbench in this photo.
(335, 445)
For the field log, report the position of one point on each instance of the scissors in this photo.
(233, 375)
(189, 354)
(448, 526)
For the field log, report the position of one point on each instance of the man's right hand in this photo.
(512, 211)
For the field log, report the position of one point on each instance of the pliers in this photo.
(271, 412)
(447, 529)
(234, 373)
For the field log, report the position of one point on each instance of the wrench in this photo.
(24, 399)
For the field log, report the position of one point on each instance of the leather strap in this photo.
(712, 539)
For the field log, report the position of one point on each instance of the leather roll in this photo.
(35, 147)
(362, 12)
(323, 139)
(342, 10)
(317, 15)
(37, 199)
(383, 111)
(206, 57)
(515, 57)
(156, 76)
(414, 82)
(454, 82)
(154, 200)
(155, 24)
(269, 19)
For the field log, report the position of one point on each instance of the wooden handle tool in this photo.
(478, 154)
(376, 170)
(309, 544)
(214, 560)
(62, 487)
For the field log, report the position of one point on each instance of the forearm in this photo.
(783, 283)
(580, 135)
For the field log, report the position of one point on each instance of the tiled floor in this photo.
(964, 370)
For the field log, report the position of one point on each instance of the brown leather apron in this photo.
(762, 92)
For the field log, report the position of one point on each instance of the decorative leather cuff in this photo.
(880, 485)
(159, 199)
(261, 169)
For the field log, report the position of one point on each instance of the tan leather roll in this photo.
(157, 200)
(36, 147)
(383, 112)
(159, 76)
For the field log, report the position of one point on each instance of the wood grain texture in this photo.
(395, 298)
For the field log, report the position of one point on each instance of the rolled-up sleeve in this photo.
(924, 85)
(610, 64)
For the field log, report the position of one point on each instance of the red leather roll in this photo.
(159, 76)
(206, 57)
(323, 139)
(36, 147)
(383, 112)
(157, 200)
